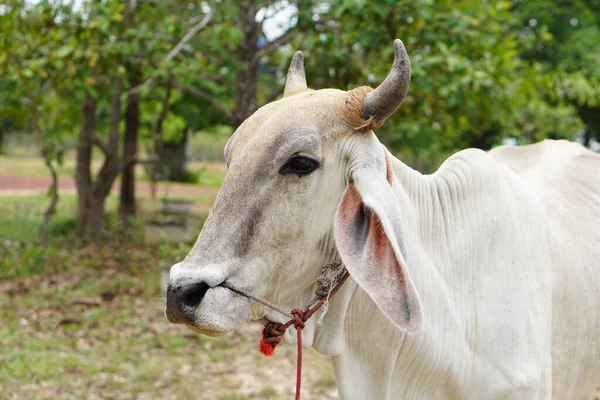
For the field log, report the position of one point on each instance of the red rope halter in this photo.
(273, 331)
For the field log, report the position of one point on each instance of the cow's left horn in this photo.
(383, 101)
(296, 79)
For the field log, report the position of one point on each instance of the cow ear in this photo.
(370, 239)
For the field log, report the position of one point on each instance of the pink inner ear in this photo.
(370, 258)
(363, 230)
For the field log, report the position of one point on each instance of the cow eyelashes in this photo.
(299, 165)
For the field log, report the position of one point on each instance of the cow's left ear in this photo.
(370, 239)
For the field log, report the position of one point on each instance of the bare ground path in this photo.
(33, 185)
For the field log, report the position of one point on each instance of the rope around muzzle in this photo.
(333, 276)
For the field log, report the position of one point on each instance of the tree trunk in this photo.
(87, 227)
(132, 124)
(112, 162)
(92, 195)
(90, 217)
(246, 79)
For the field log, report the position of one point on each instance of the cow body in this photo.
(564, 176)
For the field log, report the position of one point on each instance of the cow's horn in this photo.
(383, 101)
(296, 79)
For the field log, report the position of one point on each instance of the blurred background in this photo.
(113, 119)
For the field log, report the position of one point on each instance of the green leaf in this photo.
(64, 51)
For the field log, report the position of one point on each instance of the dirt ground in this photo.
(35, 185)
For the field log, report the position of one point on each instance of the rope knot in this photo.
(323, 284)
(271, 337)
(298, 319)
(330, 276)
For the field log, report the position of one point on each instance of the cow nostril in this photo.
(195, 294)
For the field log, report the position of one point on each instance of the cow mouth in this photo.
(206, 331)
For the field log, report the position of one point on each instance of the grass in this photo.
(117, 343)
(21, 219)
(33, 165)
(53, 347)
(21, 216)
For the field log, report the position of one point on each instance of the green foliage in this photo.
(173, 129)
(564, 41)
(170, 251)
(482, 71)
(208, 146)
(63, 226)
(194, 177)
(29, 260)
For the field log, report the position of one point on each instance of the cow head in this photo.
(307, 179)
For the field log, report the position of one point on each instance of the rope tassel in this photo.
(271, 337)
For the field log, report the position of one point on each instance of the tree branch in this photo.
(203, 96)
(175, 50)
(218, 78)
(115, 121)
(51, 209)
(101, 145)
(190, 34)
(277, 43)
(133, 161)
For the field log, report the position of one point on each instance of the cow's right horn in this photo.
(383, 101)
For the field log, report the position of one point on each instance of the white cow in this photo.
(480, 281)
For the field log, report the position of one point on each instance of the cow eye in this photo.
(299, 165)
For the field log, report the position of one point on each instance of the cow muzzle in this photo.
(182, 301)
(196, 299)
